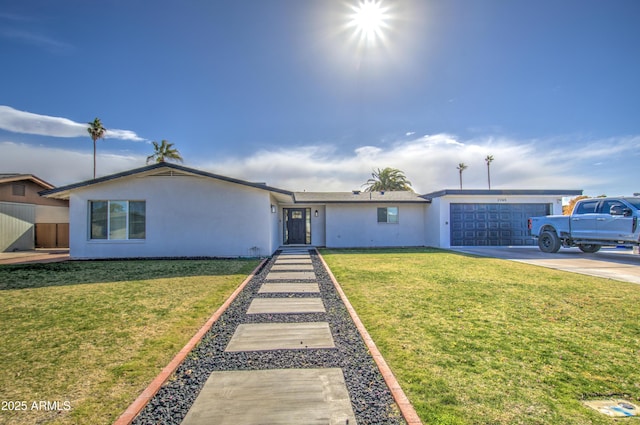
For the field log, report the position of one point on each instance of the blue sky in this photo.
(284, 91)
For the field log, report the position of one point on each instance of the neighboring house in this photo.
(168, 210)
(28, 220)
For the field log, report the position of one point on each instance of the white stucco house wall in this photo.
(168, 210)
(366, 219)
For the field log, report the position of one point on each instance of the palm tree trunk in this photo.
(94, 159)
(460, 180)
(489, 175)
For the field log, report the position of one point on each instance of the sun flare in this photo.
(369, 19)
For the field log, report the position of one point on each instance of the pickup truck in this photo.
(594, 222)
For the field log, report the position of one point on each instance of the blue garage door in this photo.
(493, 224)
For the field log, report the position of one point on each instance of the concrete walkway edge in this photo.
(139, 403)
(405, 406)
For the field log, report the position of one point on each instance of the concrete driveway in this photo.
(610, 263)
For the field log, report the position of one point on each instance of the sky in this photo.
(296, 94)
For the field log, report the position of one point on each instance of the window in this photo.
(388, 215)
(117, 220)
(634, 201)
(587, 207)
(18, 190)
(605, 208)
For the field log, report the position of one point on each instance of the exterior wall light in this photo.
(273, 209)
(316, 213)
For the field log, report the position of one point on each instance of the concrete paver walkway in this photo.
(289, 288)
(282, 396)
(306, 275)
(292, 267)
(281, 336)
(286, 306)
(286, 260)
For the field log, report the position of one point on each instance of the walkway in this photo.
(35, 256)
(285, 352)
(257, 397)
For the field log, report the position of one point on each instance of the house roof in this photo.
(358, 197)
(163, 169)
(16, 177)
(503, 192)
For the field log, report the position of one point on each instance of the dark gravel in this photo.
(370, 398)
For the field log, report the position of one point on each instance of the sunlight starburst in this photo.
(369, 20)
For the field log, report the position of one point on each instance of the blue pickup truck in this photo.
(594, 223)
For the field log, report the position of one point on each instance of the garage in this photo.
(493, 224)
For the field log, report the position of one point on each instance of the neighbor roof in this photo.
(358, 197)
(515, 192)
(170, 169)
(15, 177)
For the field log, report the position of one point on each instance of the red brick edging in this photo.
(136, 407)
(407, 410)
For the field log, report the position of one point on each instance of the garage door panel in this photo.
(493, 224)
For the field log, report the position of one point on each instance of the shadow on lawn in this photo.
(25, 276)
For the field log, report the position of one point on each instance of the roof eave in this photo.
(31, 177)
(64, 191)
(503, 192)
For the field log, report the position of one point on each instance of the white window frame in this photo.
(127, 225)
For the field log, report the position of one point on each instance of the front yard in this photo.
(81, 340)
(477, 340)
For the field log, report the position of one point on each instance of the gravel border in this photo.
(371, 400)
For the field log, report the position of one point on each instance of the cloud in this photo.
(429, 162)
(17, 121)
(62, 166)
(36, 39)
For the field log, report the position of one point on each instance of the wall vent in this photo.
(171, 173)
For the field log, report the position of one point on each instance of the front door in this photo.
(296, 226)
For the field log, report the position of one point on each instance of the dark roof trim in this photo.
(367, 201)
(158, 166)
(515, 192)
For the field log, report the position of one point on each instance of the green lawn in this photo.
(486, 341)
(92, 335)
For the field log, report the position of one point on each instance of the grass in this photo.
(486, 341)
(92, 335)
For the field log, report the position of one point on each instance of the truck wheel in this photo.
(589, 248)
(549, 242)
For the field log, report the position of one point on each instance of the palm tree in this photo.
(163, 152)
(489, 160)
(96, 131)
(388, 179)
(461, 167)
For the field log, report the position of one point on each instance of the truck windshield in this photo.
(634, 201)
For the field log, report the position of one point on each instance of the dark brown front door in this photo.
(296, 225)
